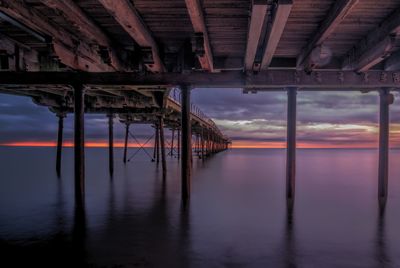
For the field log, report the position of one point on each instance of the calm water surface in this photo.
(236, 217)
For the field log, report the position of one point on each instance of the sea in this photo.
(236, 217)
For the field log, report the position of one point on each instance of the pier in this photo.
(139, 61)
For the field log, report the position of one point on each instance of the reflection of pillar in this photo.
(126, 141)
(111, 143)
(59, 142)
(186, 143)
(291, 146)
(385, 100)
(162, 141)
(79, 146)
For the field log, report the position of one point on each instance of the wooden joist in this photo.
(336, 15)
(127, 16)
(72, 13)
(71, 51)
(195, 11)
(258, 12)
(280, 18)
(377, 46)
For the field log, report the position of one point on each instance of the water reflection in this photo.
(381, 255)
(290, 243)
(236, 217)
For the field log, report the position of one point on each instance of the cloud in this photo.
(322, 117)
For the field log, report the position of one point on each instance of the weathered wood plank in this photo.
(378, 45)
(280, 19)
(258, 12)
(125, 13)
(74, 15)
(71, 52)
(197, 17)
(336, 15)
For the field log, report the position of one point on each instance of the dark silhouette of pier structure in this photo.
(124, 58)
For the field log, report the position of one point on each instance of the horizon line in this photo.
(279, 145)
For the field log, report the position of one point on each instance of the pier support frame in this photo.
(386, 98)
(291, 147)
(126, 141)
(111, 143)
(61, 117)
(79, 144)
(186, 143)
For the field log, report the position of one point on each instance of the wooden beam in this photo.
(281, 15)
(378, 45)
(197, 17)
(127, 16)
(336, 15)
(265, 80)
(393, 62)
(72, 13)
(69, 49)
(258, 12)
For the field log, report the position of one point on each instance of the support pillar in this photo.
(291, 147)
(157, 146)
(186, 143)
(162, 141)
(179, 144)
(79, 144)
(383, 171)
(155, 143)
(126, 141)
(59, 142)
(202, 143)
(111, 143)
(172, 142)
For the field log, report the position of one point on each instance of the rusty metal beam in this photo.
(257, 18)
(378, 45)
(281, 15)
(273, 80)
(196, 15)
(72, 13)
(127, 16)
(340, 9)
(71, 51)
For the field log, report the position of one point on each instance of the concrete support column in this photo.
(111, 143)
(186, 143)
(59, 142)
(79, 144)
(291, 147)
(383, 171)
(126, 141)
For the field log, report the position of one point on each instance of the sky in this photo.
(324, 120)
